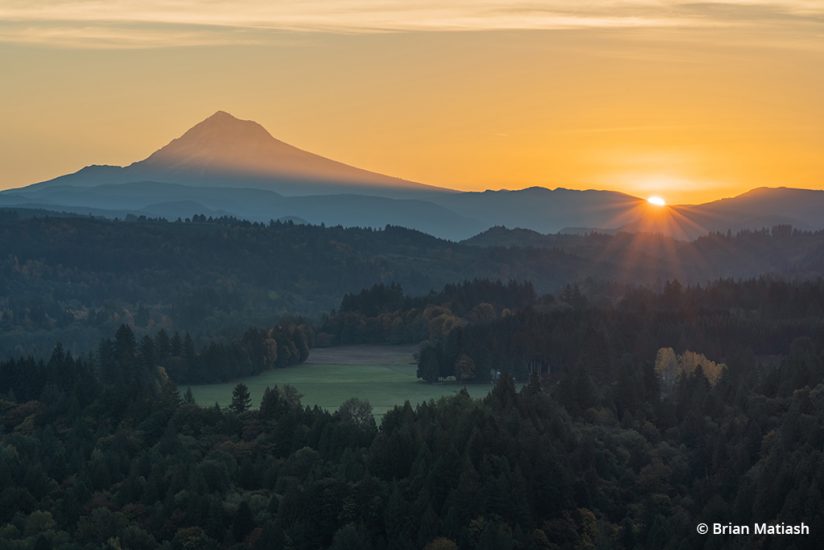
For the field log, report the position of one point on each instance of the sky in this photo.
(692, 101)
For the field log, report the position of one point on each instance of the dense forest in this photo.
(76, 279)
(125, 359)
(604, 448)
(569, 335)
(383, 314)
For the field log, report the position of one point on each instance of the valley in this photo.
(385, 376)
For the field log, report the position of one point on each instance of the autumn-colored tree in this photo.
(670, 366)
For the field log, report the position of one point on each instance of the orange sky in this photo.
(688, 101)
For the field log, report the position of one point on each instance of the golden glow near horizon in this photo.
(655, 200)
(695, 101)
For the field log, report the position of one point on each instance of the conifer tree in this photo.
(241, 400)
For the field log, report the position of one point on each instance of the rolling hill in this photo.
(73, 278)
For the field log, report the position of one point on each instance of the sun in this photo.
(655, 200)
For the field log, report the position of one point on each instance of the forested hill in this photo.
(779, 250)
(76, 279)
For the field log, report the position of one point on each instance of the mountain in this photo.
(547, 210)
(224, 166)
(223, 151)
(453, 216)
(172, 201)
(764, 207)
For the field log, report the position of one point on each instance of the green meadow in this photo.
(383, 375)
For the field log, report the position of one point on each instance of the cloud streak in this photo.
(162, 23)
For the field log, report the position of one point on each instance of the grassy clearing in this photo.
(382, 375)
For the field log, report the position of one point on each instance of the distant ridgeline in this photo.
(76, 279)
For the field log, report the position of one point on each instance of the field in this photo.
(382, 375)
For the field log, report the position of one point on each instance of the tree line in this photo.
(384, 314)
(125, 360)
(565, 335)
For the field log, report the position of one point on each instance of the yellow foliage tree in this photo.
(669, 366)
(666, 367)
(692, 360)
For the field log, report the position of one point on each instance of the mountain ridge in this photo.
(235, 167)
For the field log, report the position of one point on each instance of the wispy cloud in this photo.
(159, 23)
(88, 35)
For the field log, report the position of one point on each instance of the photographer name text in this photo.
(754, 529)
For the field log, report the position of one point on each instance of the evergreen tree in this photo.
(428, 366)
(241, 399)
(188, 398)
